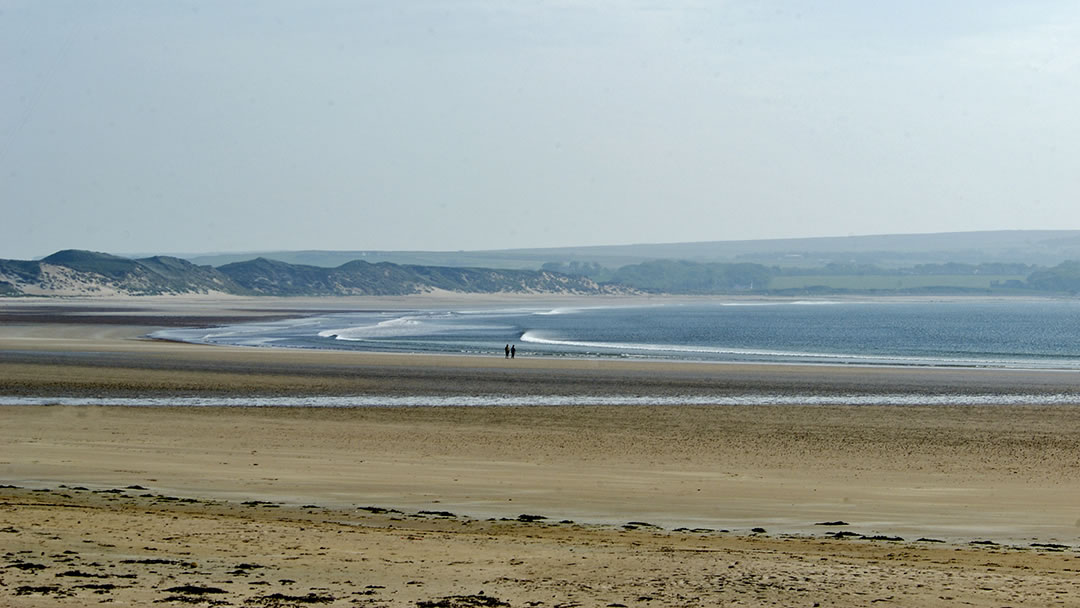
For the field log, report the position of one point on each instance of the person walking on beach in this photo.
(513, 350)
(507, 351)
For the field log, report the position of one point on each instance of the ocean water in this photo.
(1023, 334)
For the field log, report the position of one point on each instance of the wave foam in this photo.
(534, 337)
(401, 326)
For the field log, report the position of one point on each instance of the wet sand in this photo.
(127, 485)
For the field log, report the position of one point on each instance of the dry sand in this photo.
(402, 506)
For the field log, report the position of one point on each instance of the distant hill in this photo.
(961, 263)
(1037, 247)
(271, 277)
(74, 272)
(81, 273)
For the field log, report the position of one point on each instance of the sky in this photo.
(195, 126)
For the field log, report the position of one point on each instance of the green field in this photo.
(885, 282)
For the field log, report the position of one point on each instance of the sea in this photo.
(976, 333)
(1024, 334)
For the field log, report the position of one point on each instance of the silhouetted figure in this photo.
(507, 351)
(513, 350)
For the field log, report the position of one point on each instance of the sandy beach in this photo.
(837, 505)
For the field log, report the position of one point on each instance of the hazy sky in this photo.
(195, 126)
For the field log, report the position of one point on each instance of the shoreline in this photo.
(104, 361)
(84, 358)
(143, 316)
(617, 359)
